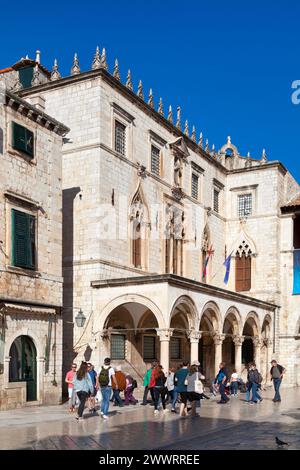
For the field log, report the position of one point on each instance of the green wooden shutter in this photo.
(22, 139)
(23, 234)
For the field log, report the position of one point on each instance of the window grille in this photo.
(244, 205)
(120, 138)
(117, 347)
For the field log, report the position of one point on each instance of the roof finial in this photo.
(140, 90)
(248, 155)
(55, 75)
(178, 122)
(38, 57)
(97, 59)
(116, 73)
(128, 81)
(200, 143)
(170, 114)
(103, 63)
(207, 146)
(36, 77)
(229, 140)
(213, 150)
(160, 107)
(150, 100)
(75, 70)
(264, 156)
(186, 128)
(193, 136)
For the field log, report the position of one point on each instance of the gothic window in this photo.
(155, 160)
(195, 185)
(244, 205)
(120, 138)
(216, 200)
(205, 247)
(243, 268)
(174, 241)
(136, 244)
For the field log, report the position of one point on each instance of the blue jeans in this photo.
(222, 388)
(234, 388)
(277, 383)
(174, 399)
(116, 397)
(252, 387)
(106, 393)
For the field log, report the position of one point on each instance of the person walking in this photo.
(221, 379)
(92, 400)
(194, 387)
(253, 380)
(234, 383)
(83, 386)
(159, 388)
(105, 379)
(71, 392)
(146, 384)
(121, 381)
(129, 398)
(170, 384)
(276, 374)
(180, 381)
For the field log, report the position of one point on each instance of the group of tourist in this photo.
(183, 386)
(85, 385)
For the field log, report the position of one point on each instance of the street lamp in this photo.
(80, 319)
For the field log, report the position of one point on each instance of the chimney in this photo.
(38, 101)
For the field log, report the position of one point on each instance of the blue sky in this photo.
(229, 65)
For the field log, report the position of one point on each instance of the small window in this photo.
(120, 138)
(23, 240)
(22, 139)
(195, 185)
(149, 352)
(117, 347)
(155, 160)
(25, 76)
(244, 205)
(175, 348)
(216, 200)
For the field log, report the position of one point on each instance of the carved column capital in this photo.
(164, 334)
(257, 341)
(218, 338)
(238, 340)
(194, 336)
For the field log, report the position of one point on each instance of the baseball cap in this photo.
(195, 363)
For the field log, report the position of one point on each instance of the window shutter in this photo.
(23, 239)
(137, 254)
(22, 139)
(248, 273)
(242, 273)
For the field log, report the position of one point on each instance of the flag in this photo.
(296, 289)
(209, 253)
(227, 266)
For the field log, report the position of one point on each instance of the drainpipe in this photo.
(54, 383)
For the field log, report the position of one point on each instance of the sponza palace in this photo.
(116, 221)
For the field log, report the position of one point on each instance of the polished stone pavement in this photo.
(236, 425)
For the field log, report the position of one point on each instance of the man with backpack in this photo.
(254, 379)
(221, 379)
(276, 373)
(105, 379)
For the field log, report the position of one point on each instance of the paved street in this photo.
(234, 426)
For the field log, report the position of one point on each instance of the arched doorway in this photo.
(231, 330)
(209, 326)
(250, 331)
(22, 365)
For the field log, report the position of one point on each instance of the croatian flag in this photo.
(296, 288)
(227, 266)
(209, 253)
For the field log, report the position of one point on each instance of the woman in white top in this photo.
(234, 383)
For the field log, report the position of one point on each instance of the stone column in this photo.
(164, 337)
(194, 337)
(218, 340)
(238, 341)
(257, 343)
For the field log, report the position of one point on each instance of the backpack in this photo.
(134, 384)
(104, 377)
(259, 378)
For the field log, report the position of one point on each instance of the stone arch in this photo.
(234, 316)
(22, 332)
(251, 333)
(232, 327)
(266, 332)
(254, 322)
(187, 306)
(129, 298)
(215, 321)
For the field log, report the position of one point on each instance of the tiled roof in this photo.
(293, 202)
(8, 69)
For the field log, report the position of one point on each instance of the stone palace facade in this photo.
(150, 214)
